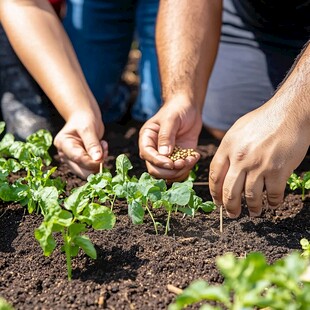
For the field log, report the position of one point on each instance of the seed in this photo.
(179, 153)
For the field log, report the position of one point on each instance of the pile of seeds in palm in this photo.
(180, 153)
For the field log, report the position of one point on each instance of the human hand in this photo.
(176, 123)
(80, 146)
(259, 152)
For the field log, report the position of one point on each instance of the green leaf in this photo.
(101, 217)
(13, 165)
(123, 165)
(64, 218)
(6, 143)
(15, 192)
(2, 127)
(84, 243)
(44, 235)
(76, 202)
(197, 291)
(207, 206)
(180, 193)
(48, 200)
(136, 212)
(4, 305)
(19, 151)
(76, 228)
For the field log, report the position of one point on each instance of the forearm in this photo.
(41, 43)
(293, 94)
(187, 37)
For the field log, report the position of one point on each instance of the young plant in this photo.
(251, 283)
(305, 245)
(300, 182)
(72, 222)
(31, 156)
(148, 193)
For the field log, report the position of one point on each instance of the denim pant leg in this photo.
(149, 96)
(101, 32)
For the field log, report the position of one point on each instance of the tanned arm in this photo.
(41, 43)
(39, 40)
(187, 38)
(265, 146)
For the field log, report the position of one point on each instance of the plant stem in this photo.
(68, 254)
(221, 218)
(168, 222)
(152, 217)
(303, 193)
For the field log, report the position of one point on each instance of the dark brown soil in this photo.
(134, 266)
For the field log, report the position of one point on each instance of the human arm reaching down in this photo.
(187, 37)
(39, 40)
(261, 150)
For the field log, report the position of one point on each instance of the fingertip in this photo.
(232, 214)
(217, 202)
(95, 154)
(104, 145)
(164, 150)
(255, 213)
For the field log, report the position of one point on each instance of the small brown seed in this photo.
(179, 153)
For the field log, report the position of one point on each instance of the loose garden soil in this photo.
(134, 265)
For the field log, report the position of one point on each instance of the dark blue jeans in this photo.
(102, 32)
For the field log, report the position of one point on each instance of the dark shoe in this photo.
(25, 108)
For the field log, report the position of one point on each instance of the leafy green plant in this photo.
(300, 182)
(72, 221)
(251, 283)
(31, 156)
(147, 193)
(89, 206)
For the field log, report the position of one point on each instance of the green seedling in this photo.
(32, 157)
(147, 193)
(72, 222)
(300, 182)
(305, 245)
(251, 283)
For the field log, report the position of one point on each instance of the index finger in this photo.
(218, 169)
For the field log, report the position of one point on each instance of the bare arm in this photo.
(262, 148)
(187, 38)
(41, 43)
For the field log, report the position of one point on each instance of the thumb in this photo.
(92, 145)
(166, 138)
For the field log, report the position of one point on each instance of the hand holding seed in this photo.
(180, 153)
